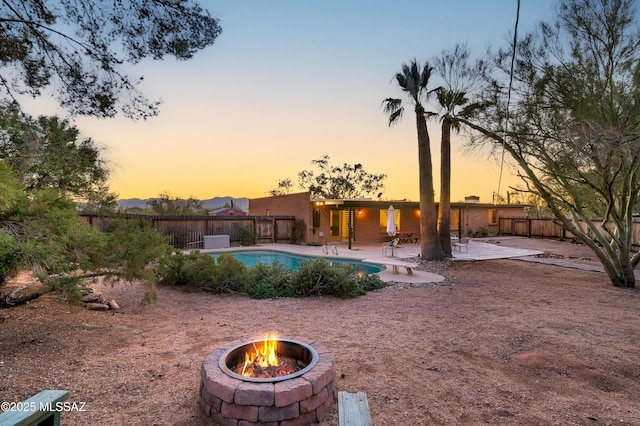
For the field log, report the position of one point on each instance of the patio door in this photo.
(339, 224)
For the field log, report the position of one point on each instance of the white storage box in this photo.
(216, 241)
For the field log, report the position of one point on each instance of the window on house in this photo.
(384, 213)
(493, 216)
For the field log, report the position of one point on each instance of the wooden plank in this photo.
(353, 409)
(391, 262)
(36, 410)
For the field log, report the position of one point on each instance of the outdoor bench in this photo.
(39, 409)
(353, 409)
(395, 264)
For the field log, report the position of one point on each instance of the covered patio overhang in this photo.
(351, 205)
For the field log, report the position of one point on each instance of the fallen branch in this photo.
(14, 297)
(24, 294)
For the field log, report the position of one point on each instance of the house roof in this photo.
(367, 202)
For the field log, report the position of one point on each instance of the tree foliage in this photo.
(335, 182)
(44, 171)
(41, 230)
(574, 127)
(79, 46)
(285, 186)
(48, 152)
(168, 205)
(13, 200)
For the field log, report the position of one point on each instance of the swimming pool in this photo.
(291, 261)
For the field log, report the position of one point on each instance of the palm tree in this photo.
(449, 101)
(460, 79)
(413, 80)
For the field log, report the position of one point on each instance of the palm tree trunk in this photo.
(444, 208)
(430, 248)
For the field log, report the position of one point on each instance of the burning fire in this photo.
(265, 361)
(265, 356)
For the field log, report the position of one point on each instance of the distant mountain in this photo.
(210, 204)
(213, 203)
(132, 203)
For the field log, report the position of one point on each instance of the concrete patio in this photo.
(477, 250)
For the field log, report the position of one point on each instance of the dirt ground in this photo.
(498, 342)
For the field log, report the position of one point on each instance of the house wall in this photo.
(475, 218)
(464, 216)
(298, 205)
(368, 227)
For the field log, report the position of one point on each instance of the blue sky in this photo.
(290, 81)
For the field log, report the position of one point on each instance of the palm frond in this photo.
(396, 116)
(413, 80)
(401, 79)
(425, 75)
(393, 107)
(436, 92)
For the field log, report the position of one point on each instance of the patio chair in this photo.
(462, 242)
(390, 245)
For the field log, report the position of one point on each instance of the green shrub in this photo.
(179, 238)
(262, 281)
(231, 275)
(369, 282)
(136, 247)
(270, 281)
(171, 270)
(194, 270)
(201, 271)
(247, 235)
(298, 231)
(318, 277)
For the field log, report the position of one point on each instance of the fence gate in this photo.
(521, 227)
(265, 229)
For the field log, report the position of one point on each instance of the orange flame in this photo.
(264, 355)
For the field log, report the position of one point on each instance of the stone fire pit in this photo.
(296, 399)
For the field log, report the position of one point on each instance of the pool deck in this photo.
(477, 250)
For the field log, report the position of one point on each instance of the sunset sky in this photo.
(290, 81)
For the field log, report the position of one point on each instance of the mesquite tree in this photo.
(339, 182)
(574, 123)
(79, 46)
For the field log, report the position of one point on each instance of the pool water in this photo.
(291, 261)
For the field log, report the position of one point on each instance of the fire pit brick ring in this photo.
(293, 400)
